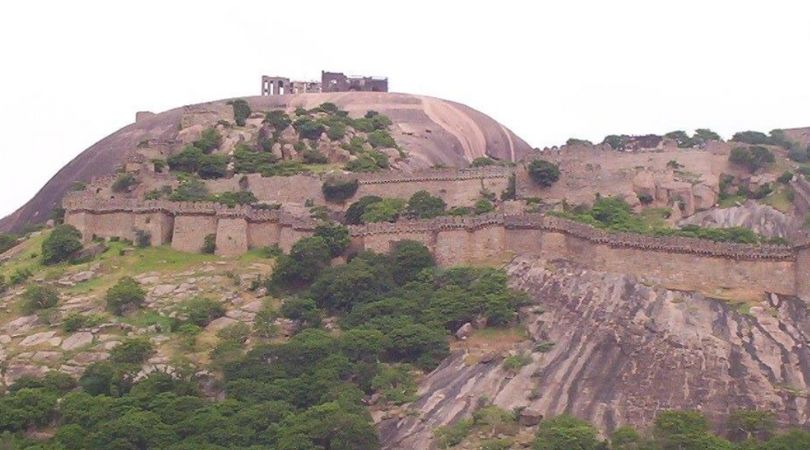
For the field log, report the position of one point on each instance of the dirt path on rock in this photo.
(460, 125)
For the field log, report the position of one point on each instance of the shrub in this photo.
(364, 163)
(232, 199)
(76, 321)
(681, 138)
(386, 210)
(513, 363)
(209, 140)
(543, 172)
(125, 296)
(308, 128)
(451, 435)
(565, 432)
(645, 198)
(381, 138)
(247, 160)
(328, 107)
(132, 351)
(209, 244)
(752, 158)
(799, 154)
(336, 131)
(307, 258)
(575, 141)
(786, 177)
(7, 241)
(301, 309)
(422, 205)
(408, 258)
(277, 119)
(338, 190)
(201, 311)
(395, 384)
(313, 156)
(188, 160)
(190, 190)
(237, 332)
(124, 182)
(38, 297)
(61, 245)
(483, 206)
(241, 111)
(752, 137)
(354, 214)
(212, 166)
(703, 135)
(336, 237)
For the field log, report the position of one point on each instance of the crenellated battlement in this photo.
(471, 173)
(679, 262)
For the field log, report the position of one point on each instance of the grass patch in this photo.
(780, 199)
(731, 201)
(146, 318)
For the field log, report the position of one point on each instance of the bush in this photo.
(354, 214)
(212, 166)
(307, 258)
(752, 137)
(190, 190)
(241, 111)
(124, 182)
(209, 244)
(76, 321)
(313, 156)
(565, 432)
(125, 296)
(543, 172)
(752, 158)
(395, 384)
(38, 297)
(301, 309)
(336, 237)
(336, 131)
(308, 128)
(645, 198)
(786, 177)
(703, 135)
(132, 351)
(277, 119)
(338, 190)
(232, 199)
(188, 160)
(681, 139)
(381, 138)
(422, 205)
(386, 210)
(483, 206)
(408, 259)
(201, 311)
(209, 140)
(61, 245)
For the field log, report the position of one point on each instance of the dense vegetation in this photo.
(544, 173)
(752, 158)
(421, 205)
(395, 312)
(614, 214)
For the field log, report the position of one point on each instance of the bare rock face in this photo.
(431, 130)
(622, 352)
(762, 219)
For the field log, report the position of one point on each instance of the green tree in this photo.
(336, 189)
(565, 433)
(354, 214)
(386, 210)
(543, 172)
(422, 205)
(61, 245)
(307, 258)
(703, 135)
(750, 424)
(336, 237)
(277, 119)
(132, 351)
(381, 138)
(408, 258)
(124, 296)
(681, 139)
(329, 426)
(752, 158)
(27, 408)
(212, 166)
(201, 311)
(340, 288)
(188, 160)
(209, 140)
(241, 111)
(123, 182)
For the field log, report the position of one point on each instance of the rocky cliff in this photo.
(611, 350)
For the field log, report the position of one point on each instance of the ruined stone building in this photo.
(330, 82)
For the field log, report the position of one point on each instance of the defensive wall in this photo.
(457, 187)
(675, 262)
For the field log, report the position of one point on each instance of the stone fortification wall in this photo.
(457, 187)
(676, 262)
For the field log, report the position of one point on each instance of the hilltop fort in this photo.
(330, 82)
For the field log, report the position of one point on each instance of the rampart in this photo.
(457, 187)
(676, 262)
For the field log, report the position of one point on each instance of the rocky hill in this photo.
(434, 131)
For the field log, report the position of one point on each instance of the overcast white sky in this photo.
(75, 71)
